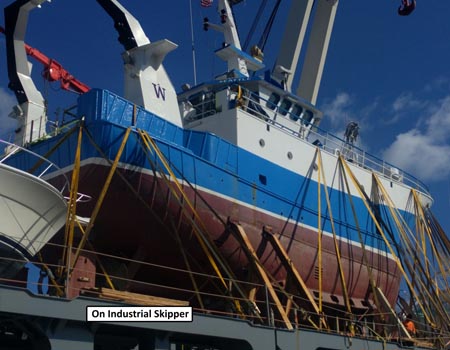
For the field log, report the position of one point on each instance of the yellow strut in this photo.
(336, 246)
(72, 206)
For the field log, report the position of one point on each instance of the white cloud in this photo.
(7, 124)
(425, 151)
(403, 106)
(439, 83)
(340, 111)
(404, 101)
(438, 125)
(337, 111)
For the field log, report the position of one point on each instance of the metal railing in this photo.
(46, 167)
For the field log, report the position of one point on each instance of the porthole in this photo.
(262, 143)
(289, 155)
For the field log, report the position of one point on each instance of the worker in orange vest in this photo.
(409, 325)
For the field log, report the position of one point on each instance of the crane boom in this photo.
(54, 71)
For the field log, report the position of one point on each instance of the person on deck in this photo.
(409, 325)
(407, 7)
(351, 132)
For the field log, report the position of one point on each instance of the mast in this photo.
(146, 82)
(30, 111)
(316, 51)
(238, 62)
(292, 42)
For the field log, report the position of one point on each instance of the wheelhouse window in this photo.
(273, 100)
(202, 105)
(308, 116)
(296, 112)
(285, 106)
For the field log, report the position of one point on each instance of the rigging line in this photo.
(445, 242)
(263, 40)
(419, 280)
(254, 24)
(436, 232)
(299, 201)
(188, 266)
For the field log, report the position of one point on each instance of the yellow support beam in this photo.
(292, 271)
(392, 312)
(319, 234)
(72, 205)
(336, 245)
(252, 257)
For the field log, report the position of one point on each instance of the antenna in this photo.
(193, 45)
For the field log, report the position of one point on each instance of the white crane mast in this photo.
(318, 41)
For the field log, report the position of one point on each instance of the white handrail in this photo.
(12, 149)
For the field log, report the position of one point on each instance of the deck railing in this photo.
(43, 165)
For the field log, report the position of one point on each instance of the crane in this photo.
(54, 71)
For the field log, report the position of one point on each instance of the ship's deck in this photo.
(55, 323)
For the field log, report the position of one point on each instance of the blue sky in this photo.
(388, 73)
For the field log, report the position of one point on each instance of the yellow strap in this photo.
(319, 233)
(336, 244)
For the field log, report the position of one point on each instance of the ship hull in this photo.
(127, 228)
(141, 214)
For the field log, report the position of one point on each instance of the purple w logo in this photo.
(159, 91)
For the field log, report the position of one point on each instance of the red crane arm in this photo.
(54, 71)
